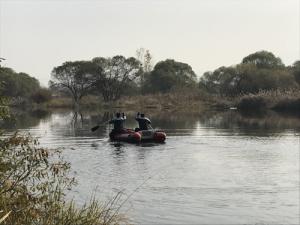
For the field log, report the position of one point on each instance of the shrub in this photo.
(252, 102)
(288, 104)
(41, 96)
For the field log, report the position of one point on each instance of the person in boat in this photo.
(118, 123)
(144, 122)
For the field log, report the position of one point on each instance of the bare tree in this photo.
(78, 78)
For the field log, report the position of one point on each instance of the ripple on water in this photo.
(206, 172)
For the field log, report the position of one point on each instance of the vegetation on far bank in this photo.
(261, 80)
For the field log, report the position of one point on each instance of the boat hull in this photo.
(153, 136)
(126, 135)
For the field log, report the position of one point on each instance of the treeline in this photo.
(114, 77)
(117, 76)
(260, 71)
(21, 87)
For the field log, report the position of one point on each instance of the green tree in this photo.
(222, 81)
(118, 73)
(258, 71)
(169, 74)
(296, 71)
(263, 59)
(17, 84)
(78, 78)
(252, 79)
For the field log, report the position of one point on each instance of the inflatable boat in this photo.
(152, 135)
(127, 135)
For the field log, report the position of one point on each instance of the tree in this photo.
(263, 59)
(296, 71)
(118, 73)
(77, 77)
(222, 81)
(169, 74)
(259, 71)
(145, 57)
(17, 84)
(252, 79)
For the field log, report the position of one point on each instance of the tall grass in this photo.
(280, 100)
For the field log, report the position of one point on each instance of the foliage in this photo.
(118, 73)
(169, 74)
(252, 102)
(42, 95)
(279, 100)
(17, 84)
(77, 77)
(296, 71)
(145, 57)
(288, 104)
(30, 183)
(263, 60)
(222, 80)
(258, 71)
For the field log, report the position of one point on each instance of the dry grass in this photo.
(288, 100)
(175, 100)
(60, 102)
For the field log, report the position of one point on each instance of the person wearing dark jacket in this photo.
(118, 122)
(144, 122)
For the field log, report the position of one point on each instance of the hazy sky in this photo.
(36, 35)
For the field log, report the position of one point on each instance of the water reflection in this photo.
(21, 119)
(79, 123)
(240, 168)
(259, 124)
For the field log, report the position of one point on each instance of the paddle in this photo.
(96, 127)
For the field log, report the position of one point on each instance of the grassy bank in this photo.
(276, 100)
(184, 100)
(176, 100)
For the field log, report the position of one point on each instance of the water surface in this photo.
(215, 167)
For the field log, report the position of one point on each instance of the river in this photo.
(215, 167)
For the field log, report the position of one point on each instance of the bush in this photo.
(288, 104)
(41, 96)
(252, 102)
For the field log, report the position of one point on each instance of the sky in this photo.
(37, 35)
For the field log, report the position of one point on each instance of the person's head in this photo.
(118, 115)
(142, 115)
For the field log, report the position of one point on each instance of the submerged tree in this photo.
(118, 73)
(78, 78)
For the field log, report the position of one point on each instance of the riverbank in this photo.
(281, 101)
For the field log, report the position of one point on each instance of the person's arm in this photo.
(137, 116)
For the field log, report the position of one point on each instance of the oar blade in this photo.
(95, 128)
